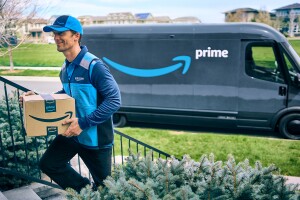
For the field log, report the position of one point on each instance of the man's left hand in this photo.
(74, 128)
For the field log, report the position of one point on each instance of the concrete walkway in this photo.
(293, 180)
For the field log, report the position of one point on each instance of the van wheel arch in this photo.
(119, 120)
(289, 126)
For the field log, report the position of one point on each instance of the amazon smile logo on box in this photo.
(44, 114)
(70, 113)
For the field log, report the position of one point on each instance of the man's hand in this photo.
(25, 94)
(74, 128)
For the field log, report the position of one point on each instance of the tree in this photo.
(186, 179)
(13, 15)
(263, 17)
(238, 16)
(292, 17)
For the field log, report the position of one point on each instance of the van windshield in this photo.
(294, 54)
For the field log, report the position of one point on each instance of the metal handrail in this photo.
(36, 142)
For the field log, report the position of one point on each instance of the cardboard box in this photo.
(44, 114)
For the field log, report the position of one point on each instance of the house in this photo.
(33, 29)
(144, 18)
(289, 16)
(286, 10)
(129, 18)
(121, 18)
(99, 20)
(85, 19)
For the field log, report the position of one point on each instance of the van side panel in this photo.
(205, 88)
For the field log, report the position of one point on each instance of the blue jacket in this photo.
(97, 96)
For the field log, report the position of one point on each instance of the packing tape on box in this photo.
(50, 103)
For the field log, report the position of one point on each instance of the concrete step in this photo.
(2, 197)
(22, 193)
(48, 193)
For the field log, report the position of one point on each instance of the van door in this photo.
(262, 87)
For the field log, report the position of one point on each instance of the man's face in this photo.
(66, 40)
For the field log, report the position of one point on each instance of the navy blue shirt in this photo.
(106, 87)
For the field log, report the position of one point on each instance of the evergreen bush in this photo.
(18, 153)
(143, 178)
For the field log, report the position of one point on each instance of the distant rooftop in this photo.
(289, 7)
(142, 15)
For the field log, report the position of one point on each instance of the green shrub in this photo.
(142, 178)
(18, 153)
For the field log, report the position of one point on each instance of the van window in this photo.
(293, 73)
(261, 63)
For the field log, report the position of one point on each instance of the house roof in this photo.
(289, 7)
(120, 14)
(143, 15)
(99, 18)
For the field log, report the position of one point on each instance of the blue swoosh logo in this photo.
(185, 62)
(55, 119)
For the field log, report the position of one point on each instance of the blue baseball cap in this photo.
(64, 23)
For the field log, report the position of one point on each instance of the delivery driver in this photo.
(97, 97)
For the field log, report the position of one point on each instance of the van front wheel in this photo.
(119, 120)
(289, 126)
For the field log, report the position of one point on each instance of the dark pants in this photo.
(55, 164)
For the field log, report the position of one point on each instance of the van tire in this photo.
(119, 120)
(289, 126)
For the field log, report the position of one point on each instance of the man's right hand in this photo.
(25, 94)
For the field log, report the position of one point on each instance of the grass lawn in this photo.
(40, 55)
(285, 154)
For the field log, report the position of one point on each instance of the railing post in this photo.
(23, 134)
(10, 126)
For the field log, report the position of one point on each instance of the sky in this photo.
(208, 11)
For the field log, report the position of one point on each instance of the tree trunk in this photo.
(292, 17)
(11, 62)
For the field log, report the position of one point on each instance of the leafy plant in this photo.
(144, 178)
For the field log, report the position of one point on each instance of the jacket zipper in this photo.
(69, 80)
(70, 88)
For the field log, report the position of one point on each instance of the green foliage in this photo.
(18, 153)
(29, 72)
(283, 153)
(35, 55)
(172, 179)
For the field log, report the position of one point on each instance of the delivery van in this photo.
(231, 75)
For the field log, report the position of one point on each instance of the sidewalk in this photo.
(32, 68)
(293, 180)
